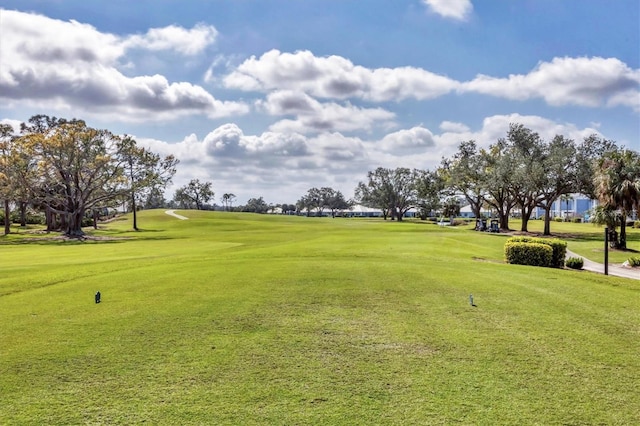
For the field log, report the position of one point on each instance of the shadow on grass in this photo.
(52, 239)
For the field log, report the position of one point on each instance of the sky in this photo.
(269, 98)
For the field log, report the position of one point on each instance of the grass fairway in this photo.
(242, 319)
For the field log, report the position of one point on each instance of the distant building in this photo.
(573, 206)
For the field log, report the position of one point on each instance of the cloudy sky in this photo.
(272, 97)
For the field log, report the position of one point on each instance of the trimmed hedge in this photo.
(558, 248)
(525, 253)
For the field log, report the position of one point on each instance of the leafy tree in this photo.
(617, 184)
(145, 172)
(195, 193)
(464, 174)
(256, 205)
(430, 186)
(312, 200)
(155, 199)
(559, 169)
(392, 191)
(588, 153)
(334, 200)
(78, 167)
(498, 172)
(525, 151)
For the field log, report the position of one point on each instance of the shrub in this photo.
(525, 253)
(577, 220)
(558, 247)
(636, 224)
(574, 263)
(634, 261)
(558, 219)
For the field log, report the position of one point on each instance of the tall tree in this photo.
(194, 193)
(617, 184)
(7, 181)
(559, 166)
(463, 174)
(78, 167)
(498, 172)
(394, 191)
(525, 152)
(145, 171)
(430, 186)
(588, 153)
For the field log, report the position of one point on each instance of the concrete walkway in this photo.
(174, 214)
(618, 271)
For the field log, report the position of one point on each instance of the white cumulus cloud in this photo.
(453, 9)
(589, 82)
(52, 63)
(335, 77)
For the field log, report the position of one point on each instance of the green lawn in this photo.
(244, 319)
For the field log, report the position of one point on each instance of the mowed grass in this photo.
(246, 319)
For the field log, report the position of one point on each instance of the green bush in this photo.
(634, 261)
(577, 220)
(558, 247)
(636, 224)
(558, 219)
(525, 253)
(574, 263)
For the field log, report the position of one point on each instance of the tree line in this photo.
(518, 172)
(67, 169)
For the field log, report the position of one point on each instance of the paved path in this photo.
(618, 271)
(174, 214)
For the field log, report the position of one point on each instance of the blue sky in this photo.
(272, 97)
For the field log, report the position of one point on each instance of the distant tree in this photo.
(392, 191)
(227, 200)
(313, 200)
(195, 193)
(617, 184)
(155, 199)
(334, 201)
(256, 205)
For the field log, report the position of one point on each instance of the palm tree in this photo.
(227, 200)
(566, 198)
(617, 182)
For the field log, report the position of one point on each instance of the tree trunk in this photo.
(547, 220)
(7, 219)
(23, 213)
(135, 212)
(74, 223)
(623, 232)
(95, 218)
(527, 211)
